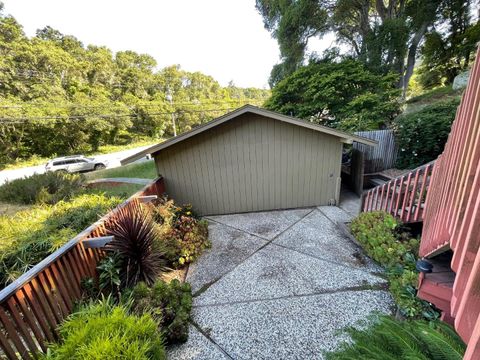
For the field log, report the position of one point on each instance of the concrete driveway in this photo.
(279, 285)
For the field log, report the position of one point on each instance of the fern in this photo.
(386, 338)
(441, 347)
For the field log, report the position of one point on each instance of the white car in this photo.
(74, 164)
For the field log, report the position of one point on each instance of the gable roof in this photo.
(344, 137)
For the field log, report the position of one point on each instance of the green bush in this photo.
(385, 241)
(387, 338)
(179, 230)
(421, 136)
(383, 238)
(403, 282)
(48, 188)
(169, 303)
(107, 331)
(31, 235)
(344, 95)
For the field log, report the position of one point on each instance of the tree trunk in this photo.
(412, 54)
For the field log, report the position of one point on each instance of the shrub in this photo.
(106, 331)
(169, 303)
(403, 283)
(422, 135)
(48, 188)
(142, 258)
(186, 240)
(109, 274)
(184, 236)
(383, 238)
(387, 338)
(343, 94)
(31, 235)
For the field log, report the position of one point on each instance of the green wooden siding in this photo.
(252, 163)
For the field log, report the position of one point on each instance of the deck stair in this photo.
(403, 197)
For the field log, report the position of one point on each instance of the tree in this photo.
(342, 94)
(60, 97)
(383, 35)
(450, 47)
(292, 23)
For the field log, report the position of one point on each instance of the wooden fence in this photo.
(380, 157)
(452, 214)
(32, 307)
(403, 197)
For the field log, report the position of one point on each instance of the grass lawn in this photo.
(105, 149)
(143, 170)
(122, 191)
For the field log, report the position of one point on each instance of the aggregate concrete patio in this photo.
(279, 285)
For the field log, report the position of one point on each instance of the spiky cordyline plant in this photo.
(134, 241)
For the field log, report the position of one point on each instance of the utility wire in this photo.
(20, 120)
(133, 107)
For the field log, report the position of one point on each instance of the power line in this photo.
(132, 107)
(21, 120)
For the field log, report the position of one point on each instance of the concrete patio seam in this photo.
(323, 292)
(233, 227)
(268, 242)
(328, 217)
(208, 337)
(327, 260)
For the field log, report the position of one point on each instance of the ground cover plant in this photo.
(389, 243)
(169, 303)
(105, 330)
(48, 188)
(185, 235)
(30, 235)
(131, 273)
(385, 338)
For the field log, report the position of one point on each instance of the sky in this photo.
(222, 38)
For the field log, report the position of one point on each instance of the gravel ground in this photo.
(280, 285)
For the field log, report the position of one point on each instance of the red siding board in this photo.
(445, 195)
(452, 217)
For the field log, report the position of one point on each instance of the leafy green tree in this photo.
(343, 94)
(58, 96)
(450, 47)
(292, 23)
(385, 35)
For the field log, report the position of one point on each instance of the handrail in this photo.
(403, 197)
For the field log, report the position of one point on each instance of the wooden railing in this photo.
(403, 197)
(452, 216)
(32, 307)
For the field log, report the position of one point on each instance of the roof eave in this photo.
(344, 137)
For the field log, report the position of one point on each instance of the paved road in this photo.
(112, 158)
